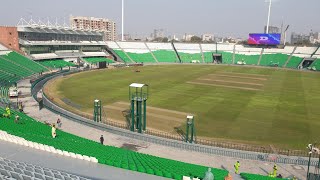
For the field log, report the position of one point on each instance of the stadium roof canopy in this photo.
(52, 30)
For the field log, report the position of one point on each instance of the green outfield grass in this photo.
(283, 111)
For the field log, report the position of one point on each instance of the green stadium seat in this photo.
(188, 57)
(247, 176)
(56, 63)
(94, 60)
(274, 59)
(122, 55)
(249, 59)
(165, 56)
(294, 62)
(35, 131)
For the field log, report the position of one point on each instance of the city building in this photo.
(97, 24)
(158, 33)
(272, 29)
(207, 37)
(298, 38)
(187, 37)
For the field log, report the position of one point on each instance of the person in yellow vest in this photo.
(53, 130)
(236, 167)
(7, 113)
(274, 172)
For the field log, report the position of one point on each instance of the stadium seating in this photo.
(166, 56)
(26, 171)
(189, 52)
(294, 62)
(316, 65)
(163, 52)
(4, 94)
(249, 59)
(93, 60)
(307, 51)
(7, 78)
(17, 71)
(140, 55)
(24, 62)
(226, 57)
(56, 63)
(187, 56)
(248, 176)
(137, 51)
(274, 59)
(34, 131)
(122, 55)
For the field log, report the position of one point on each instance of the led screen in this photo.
(264, 39)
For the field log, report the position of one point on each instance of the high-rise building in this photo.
(187, 37)
(298, 38)
(97, 24)
(207, 37)
(272, 29)
(158, 33)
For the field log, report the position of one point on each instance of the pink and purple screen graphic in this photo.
(264, 39)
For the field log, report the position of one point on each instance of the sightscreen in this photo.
(264, 39)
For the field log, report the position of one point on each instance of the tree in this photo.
(165, 39)
(196, 39)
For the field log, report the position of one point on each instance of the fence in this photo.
(203, 146)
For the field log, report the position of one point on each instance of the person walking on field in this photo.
(59, 123)
(53, 131)
(228, 177)
(101, 139)
(236, 167)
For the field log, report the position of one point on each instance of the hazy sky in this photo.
(234, 18)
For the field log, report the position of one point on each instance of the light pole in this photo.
(122, 22)
(310, 147)
(285, 35)
(313, 149)
(269, 12)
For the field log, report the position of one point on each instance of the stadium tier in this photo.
(166, 56)
(4, 94)
(163, 52)
(10, 169)
(93, 60)
(189, 52)
(187, 56)
(56, 63)
(294, 62)
(278, 60)
(140, 56)
(23, 62)
(122, 55)
(34, 131)
(316, 65)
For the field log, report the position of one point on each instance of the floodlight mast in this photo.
(269, 12)
(122, 23)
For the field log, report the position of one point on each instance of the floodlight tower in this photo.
(269, 12)
(138, 95)
(122, 22)
(97, 111)
(190, 127)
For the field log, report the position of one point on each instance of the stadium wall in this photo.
(9, 37)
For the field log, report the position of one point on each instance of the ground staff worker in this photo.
(236, 167)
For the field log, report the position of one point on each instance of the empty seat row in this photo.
(24, 171)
